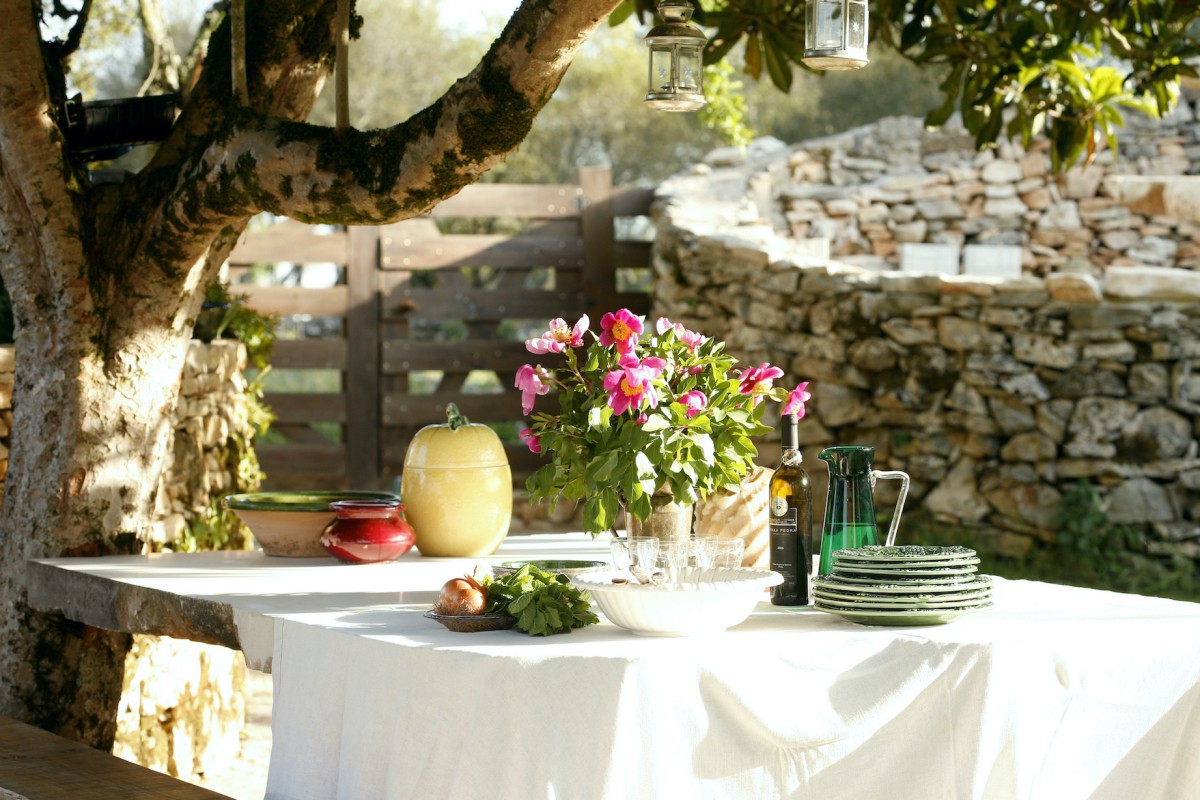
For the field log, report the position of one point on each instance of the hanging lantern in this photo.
(676, 59)
(835, 34)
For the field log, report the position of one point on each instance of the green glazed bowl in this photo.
(561, 567)
(290, 523)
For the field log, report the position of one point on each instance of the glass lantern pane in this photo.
(810, 25)
(829, 19)
(856, 34)
(689, 68)
(660, 69)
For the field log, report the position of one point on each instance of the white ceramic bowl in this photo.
(682, 609)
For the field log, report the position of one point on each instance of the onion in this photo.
(462, 597)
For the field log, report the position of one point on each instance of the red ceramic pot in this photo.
(367, 531)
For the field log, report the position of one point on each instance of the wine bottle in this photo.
(790, 509)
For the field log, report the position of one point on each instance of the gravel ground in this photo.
(246, 778)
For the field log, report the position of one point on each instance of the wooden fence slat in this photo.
(287, 243)
(482, 251)
(424, 304)
(292, 407)
(403, 355)
(309, 354)
(511, 200)
(418, 410)
(289, 300)
(321, 466)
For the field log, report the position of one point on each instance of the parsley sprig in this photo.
(543, 602)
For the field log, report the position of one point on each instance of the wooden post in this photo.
(362, 359)
(596, 226)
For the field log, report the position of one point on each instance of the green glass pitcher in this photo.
(850, 504)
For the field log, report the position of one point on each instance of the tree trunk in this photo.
(90, 437)
(106, 280)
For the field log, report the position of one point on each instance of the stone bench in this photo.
(37, 765)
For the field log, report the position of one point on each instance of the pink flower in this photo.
(634, 382)
(641, 420)
(531, 382)
(756, 381)
(694, 401)
(621, 329)
(559, 337)
(689, 338)
(796, 400)
(531, 440)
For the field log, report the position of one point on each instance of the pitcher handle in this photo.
(888, 475)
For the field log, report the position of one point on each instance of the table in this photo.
(1056, 692)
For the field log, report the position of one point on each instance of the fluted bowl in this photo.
(702, 601)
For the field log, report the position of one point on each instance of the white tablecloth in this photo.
(1054, 693)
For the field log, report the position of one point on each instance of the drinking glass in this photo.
(730, 552)
(673, 558)
(704, 551)
(637, 555)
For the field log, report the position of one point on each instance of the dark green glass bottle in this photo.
(790, 514)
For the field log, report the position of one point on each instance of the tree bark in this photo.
(107, 280)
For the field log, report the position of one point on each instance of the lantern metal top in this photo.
(676, 27)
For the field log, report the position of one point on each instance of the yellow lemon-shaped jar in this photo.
(457, 488)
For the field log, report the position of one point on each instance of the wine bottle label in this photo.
(779, 506)
(785, 521)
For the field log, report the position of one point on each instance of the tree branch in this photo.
(32, 169)
(63, 50)
(316, 174)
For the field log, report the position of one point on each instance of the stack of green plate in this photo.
(908, 585)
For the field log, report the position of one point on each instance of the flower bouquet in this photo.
(642, 412)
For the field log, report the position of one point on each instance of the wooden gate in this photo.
(435, 310)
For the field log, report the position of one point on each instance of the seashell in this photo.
(742, 514)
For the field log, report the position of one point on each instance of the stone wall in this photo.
(183, 708)
(867, 193)
(996, 395)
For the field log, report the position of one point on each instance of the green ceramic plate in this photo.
(906, 604)
(949, 598)
(912, 552)
(561, 567)
(849, 563)
(894, 579)
(947, 572)
(297, 501)
(938, 616)
(833, 583)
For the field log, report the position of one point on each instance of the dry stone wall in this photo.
(183, 708)
(873, 192)
(996, 395)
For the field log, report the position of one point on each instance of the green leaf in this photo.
(753, 57)
(656, 422)
(778, 66)
(621, 13)
(645, 469)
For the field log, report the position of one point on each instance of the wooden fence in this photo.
(434, 310)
